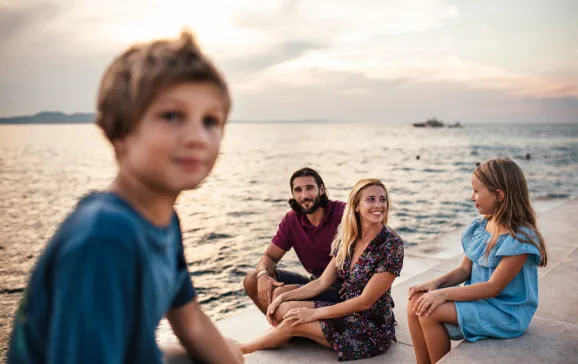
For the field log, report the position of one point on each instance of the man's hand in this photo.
(265, 286)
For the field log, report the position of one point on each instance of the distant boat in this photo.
(430, 123)
(435, 123)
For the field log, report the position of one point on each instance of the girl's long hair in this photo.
(515, 212)
(350, 228)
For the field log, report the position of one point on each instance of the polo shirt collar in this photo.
(305, 221)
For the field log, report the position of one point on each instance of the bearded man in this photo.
(309, 228)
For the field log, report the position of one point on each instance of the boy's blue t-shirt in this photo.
(98, 292)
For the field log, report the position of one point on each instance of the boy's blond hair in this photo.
(134, 79)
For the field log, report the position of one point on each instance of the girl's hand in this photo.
(301, 315)
(427, 303)
(424, 287)
(271, 310)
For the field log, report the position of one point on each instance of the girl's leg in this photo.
(436, 335)
(282, 333)
(417, 337)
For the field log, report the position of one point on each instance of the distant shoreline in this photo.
(50, 117)
(55, 117)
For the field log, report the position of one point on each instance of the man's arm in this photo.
(200, 337)
(270, 258)
(267, 280)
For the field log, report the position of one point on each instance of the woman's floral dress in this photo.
(367, 333)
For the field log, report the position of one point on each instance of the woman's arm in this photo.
(309, 290)
(376, 287)
(315, 287)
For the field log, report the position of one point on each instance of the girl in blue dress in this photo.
(502, 252)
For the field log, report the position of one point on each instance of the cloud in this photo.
(354, 97)
(382, 16)
(341, 55)
(308, 70)
(277, 54)
(19, 18)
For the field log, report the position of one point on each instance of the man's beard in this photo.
(315, 206)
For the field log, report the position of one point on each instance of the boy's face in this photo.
(175, 144)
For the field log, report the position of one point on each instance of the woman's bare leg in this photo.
(435, 333)
(278, 335)
(416, 332)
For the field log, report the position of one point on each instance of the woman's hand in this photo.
(300, 315)
(424, 287)
(272, 307)
(428, 302)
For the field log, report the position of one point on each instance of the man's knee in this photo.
(250, 283)
(280, 290)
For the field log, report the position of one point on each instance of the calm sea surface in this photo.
(229, 221)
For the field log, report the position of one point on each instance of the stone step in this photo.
(552, 336)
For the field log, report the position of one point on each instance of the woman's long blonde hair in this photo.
(515, 211)
(350, 228)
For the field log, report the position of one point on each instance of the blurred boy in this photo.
(116, 265)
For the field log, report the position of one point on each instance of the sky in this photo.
(378, 61)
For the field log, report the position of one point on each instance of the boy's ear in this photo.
(321, 190)
(500, 195)
(119, 146)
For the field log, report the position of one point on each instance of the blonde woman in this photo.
(368, 256)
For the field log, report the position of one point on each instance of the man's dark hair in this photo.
(308, 172)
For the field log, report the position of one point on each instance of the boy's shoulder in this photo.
(100, 216)
(106, 213)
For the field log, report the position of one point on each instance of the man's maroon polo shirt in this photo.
(312, 244)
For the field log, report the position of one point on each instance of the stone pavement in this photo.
(551, 338)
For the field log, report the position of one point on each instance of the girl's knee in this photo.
(411, 303)
(425, 320)
(432, 319)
